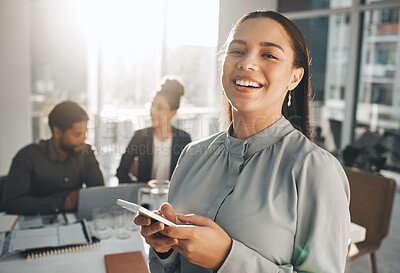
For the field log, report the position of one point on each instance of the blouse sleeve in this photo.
(323, 221)
(168, 265)
(127, 159)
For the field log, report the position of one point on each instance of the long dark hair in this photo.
(298, 113)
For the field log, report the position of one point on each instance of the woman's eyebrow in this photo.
(268, 44)
(241, 42)
(262, 44)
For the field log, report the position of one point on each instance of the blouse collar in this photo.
(258, 142)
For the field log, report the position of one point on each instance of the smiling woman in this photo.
(267, 198)
(258, 74)
(272, 57)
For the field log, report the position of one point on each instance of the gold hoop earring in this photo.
(289, 98)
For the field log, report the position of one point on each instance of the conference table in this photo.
(91, 260)
(86, 260)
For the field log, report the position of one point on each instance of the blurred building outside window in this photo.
(327, 39)
(378, 107)
(355, 51)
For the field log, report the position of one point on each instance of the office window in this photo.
(110, 56)
(191, 48)
(327, 39)
(378, 108)
(375, 1)
(389, 16)
(137, 50)
(369, 101)
(58, 60)
(291, 6)
(129, 52)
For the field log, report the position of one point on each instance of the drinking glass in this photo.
(158, 193)
(121, 223)
(101, 223)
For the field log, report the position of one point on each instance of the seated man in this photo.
(45, 177)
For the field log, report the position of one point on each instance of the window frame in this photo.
(355, 12)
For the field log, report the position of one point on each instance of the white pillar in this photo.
(15, 82)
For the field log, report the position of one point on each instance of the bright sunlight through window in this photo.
(192, 22)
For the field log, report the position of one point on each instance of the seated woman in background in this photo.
(153, 152)
(259, 196)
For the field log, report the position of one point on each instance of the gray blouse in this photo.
(282, 199)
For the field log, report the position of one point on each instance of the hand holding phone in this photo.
(137, 208)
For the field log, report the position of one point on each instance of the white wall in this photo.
(15, 106)
(231, 10)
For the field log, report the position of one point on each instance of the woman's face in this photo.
(160, 111)
(257, 69)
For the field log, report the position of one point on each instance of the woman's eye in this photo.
(236, 52)
(269, 56)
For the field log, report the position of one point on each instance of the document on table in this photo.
(47, 237)
(7, 221)
(21, 240)
(35, 221)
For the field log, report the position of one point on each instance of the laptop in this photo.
(93, 197)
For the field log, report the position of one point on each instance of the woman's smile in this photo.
(258, 67)
(246, 84)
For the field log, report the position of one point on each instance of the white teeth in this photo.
(247, 83)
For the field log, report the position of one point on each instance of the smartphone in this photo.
(137, 208)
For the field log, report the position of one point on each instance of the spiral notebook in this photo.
(39, 242)
(51, 251)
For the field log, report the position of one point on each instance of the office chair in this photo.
(371, 204)
(2, 182)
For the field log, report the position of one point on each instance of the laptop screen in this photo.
(93, 197)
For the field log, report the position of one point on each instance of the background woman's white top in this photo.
(161, 158)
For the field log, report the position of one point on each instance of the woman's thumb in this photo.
(194, 219)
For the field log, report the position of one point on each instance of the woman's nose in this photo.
(248, 62)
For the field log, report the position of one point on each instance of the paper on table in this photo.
(35, 221)
(30, 222)
(47, 237)
(72, 234)
(7, 221)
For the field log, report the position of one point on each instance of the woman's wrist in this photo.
(228, 250)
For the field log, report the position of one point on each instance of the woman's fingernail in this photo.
(187, 215)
